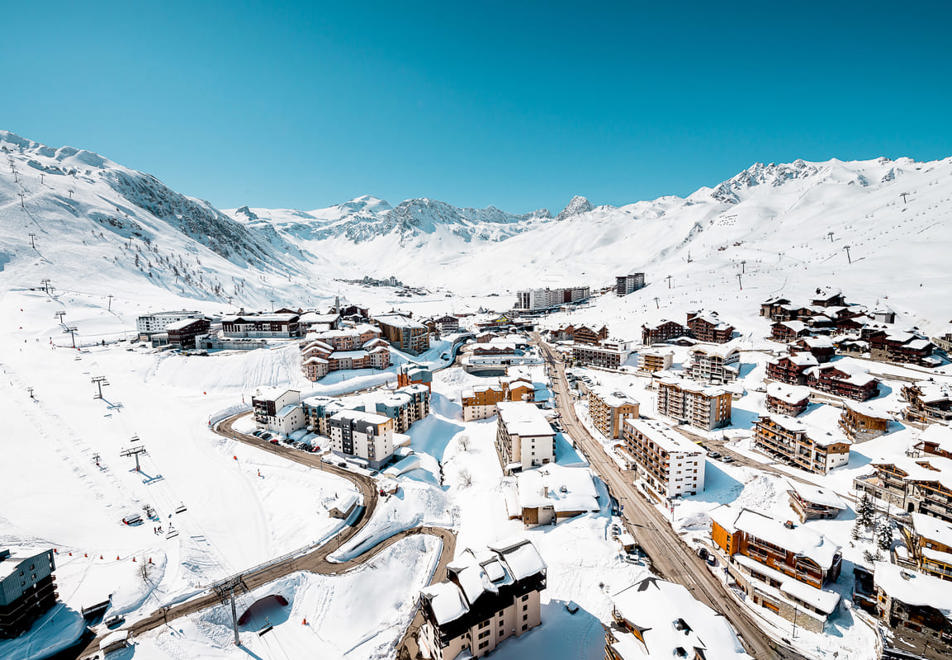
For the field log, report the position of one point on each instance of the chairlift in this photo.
(181, 508)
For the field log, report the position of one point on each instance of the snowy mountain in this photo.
(780, 226)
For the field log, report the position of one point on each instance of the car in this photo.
(342, 464)
(114, 621)
(702, 553)
(728, 459)
(132, 519)
(714, 454)
(273, 441)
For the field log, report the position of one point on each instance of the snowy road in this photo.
(669, 555)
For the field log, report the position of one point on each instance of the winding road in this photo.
(669, 555)
(315, 561)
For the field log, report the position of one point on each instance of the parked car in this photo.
(714, 454)
(728, 459)
(273, 441)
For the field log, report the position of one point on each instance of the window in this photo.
(484, 624)
(484, 634)
(525, 617)
(525, 598)
(483, 645)
(525, 627)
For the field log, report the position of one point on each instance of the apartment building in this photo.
(657, 619)
(529, 300)
(317, 322)
(835, 380)
(404, 333)
(524, 437)
(791, 369)
(901, 347)
(317, 412)
(278, 409)
(928, 401)
(828, 296)
(488, 597)
(625, 284)
(548, 494)
(652, 360)
(789, 400)
(609, 409)
(911, 484)
(446, 324)
(183, 333)
(279, 325)
(787, 331)
(667, 462)
(479, 401)
(822, 348)
(586, 335)
(916, 606)
(781, 567)
(692, 403)
(364, 435)
(27, 590)
(715, 365)
(609, 354)
(861, 422)
(706, 325)
(812, 502)
(149, 324)
(662, 331)
(789, 440)
(929, 541)
(358, 347)
(409, 373)
(405, 406)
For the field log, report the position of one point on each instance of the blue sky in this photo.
(520, 106)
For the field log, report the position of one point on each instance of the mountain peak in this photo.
(577, 205)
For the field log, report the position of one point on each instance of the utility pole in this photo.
(41, 178)
(99, 381)
(656, 304)
(135, 451)
(848, 258)
(830, 236)
(903, 195)
(743, 265)
(46, 285)
(32, 240)
(29, 391)
(226, 591)
(60, 316)
(739, 283)
(21, 200)
(72, 333)
(669, 281)
(70, 193)
(110, 303)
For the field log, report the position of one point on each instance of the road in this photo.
(315, 561)
(669, 555)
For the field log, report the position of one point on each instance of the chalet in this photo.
(657, 619)
(883, 314)
(279, 325)
(446, 324)
(935, 440)
(821, 348)
(917, 607)
(585, 335)
(705, 325)
(789, 400)
(662, 331)
(772, 306)
(546, 495)
(828, 297)
(922, 484)
(861, 422)
(791, 369)
(834, 380)
(317, 322)
(787, 331)
(790, 440)
(488, 596)
(901, 347)
(928, 401)
(780, 567)
(183, 333)
(813, 502)
(929, 541)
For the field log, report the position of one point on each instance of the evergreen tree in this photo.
(866, 512)
(884, 534)
(857, 530)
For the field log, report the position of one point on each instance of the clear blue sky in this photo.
(517, 106)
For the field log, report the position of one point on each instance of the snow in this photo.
(523, 419)
(913, 588)
(932, 528)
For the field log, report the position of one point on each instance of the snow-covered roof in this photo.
(825, 601)
(939, 435)
(372, 418)
(788, 393)
(564, 488)
(184, 323)
(693, 386)
(446, 601)
(933, 529)
(272, 393)
(345, 501)
(523, 419)
(817, 495)
(399, 321)
(796, 326)
(913, 588)
(926, 468)
(520, 556)
(800, 540)
(308, 318)
(670, 618)
(613, 398)
(717, 350)
(865, 409)
(664, 436)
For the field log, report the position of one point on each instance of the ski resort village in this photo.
(714, 427)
